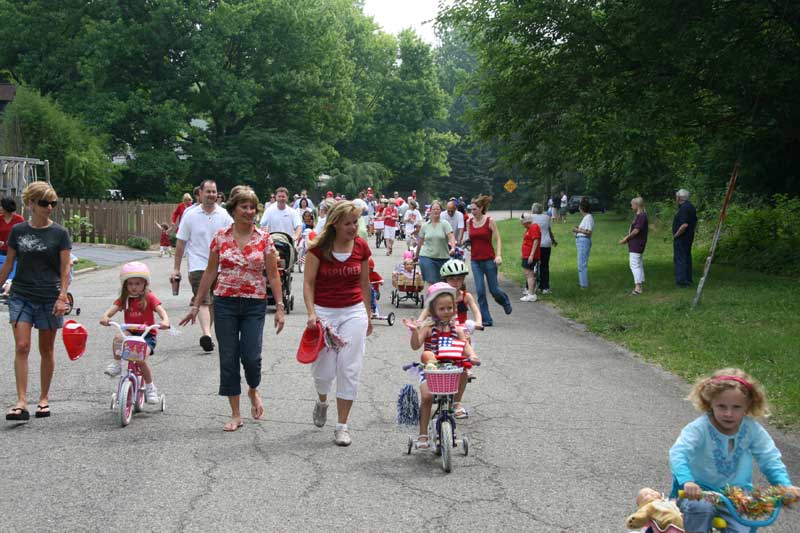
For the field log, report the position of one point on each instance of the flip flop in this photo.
(231, 427)
(257, 408)
(42, 411)
(18, 414)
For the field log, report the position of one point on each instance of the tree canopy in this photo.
(262, 92)
(645, 94)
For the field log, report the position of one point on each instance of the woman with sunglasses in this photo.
(39, 292)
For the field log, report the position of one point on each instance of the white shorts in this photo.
(389, 232)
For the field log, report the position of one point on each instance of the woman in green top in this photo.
(435, 245)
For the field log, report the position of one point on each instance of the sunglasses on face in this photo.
(45, 203)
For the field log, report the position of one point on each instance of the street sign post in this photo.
(510, 186)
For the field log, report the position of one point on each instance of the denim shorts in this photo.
(150, 339)
(40, 315)
(429, 267)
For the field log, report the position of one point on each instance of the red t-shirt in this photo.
(134, 314)
(165, 239)
(534, 233)
(178, 213)
(480, 239)
(339, 282)
(5, 229)
(390, 211)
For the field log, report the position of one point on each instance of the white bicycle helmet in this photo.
(454, 267)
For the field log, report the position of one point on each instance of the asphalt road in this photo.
(565, 428)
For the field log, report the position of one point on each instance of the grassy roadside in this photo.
(745, 319)
(84, 263)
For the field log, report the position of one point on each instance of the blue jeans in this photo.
(584, 246)
(429, 266)
(487, 268)
(239, 326)
(682, 257)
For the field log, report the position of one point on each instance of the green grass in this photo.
(745, 319)
(84, 263)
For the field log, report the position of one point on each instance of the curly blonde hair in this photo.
(707, 388)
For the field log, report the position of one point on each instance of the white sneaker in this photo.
(546, 291)
(524, 292)
(342, 437)
(320, 413)
(150, 394)
(113, 369)
(528, 298)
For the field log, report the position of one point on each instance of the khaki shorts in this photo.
(194, 281)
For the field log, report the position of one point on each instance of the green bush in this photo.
(766, 239)
(140, 243)
(173, 239)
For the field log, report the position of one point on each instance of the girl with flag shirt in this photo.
(439, 337)
(336, 291)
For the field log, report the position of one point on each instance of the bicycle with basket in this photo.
(443, 384)
(756, 509)
(129, 397)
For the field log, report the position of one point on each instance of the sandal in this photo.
(42, 411)
(460, 412)
(634, 292)
(231, 426)
(18, 414)
(422, 444)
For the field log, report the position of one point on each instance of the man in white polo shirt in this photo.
(281, 217)
(197, 228)
(456, 220)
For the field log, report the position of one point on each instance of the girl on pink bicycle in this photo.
(139, 306)
(717, 449)
(439, 337)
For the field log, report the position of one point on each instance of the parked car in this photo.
(574, 202)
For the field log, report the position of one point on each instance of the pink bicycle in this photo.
(129, 397)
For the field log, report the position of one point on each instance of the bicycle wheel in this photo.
(125, 403)
(446, 444)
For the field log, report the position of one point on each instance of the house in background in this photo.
(7, 94)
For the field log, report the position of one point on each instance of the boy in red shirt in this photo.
(530, 255)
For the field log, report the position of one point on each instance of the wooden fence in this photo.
(114, 222)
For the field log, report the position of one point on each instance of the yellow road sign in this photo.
(510, 186)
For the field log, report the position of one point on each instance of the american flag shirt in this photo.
(451, 347)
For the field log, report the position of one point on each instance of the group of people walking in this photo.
(228, 253)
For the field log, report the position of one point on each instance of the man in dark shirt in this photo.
(683, 226)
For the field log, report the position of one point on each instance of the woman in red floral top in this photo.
(241, 253)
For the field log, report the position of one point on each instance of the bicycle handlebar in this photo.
(144, 328)
(717, 497)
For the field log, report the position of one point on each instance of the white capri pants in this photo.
(389, 233)
(345, 365)
(637, 267)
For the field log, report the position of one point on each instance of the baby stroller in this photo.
(407, 285)
(287, 256)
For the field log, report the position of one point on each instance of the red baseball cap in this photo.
(329, 194)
